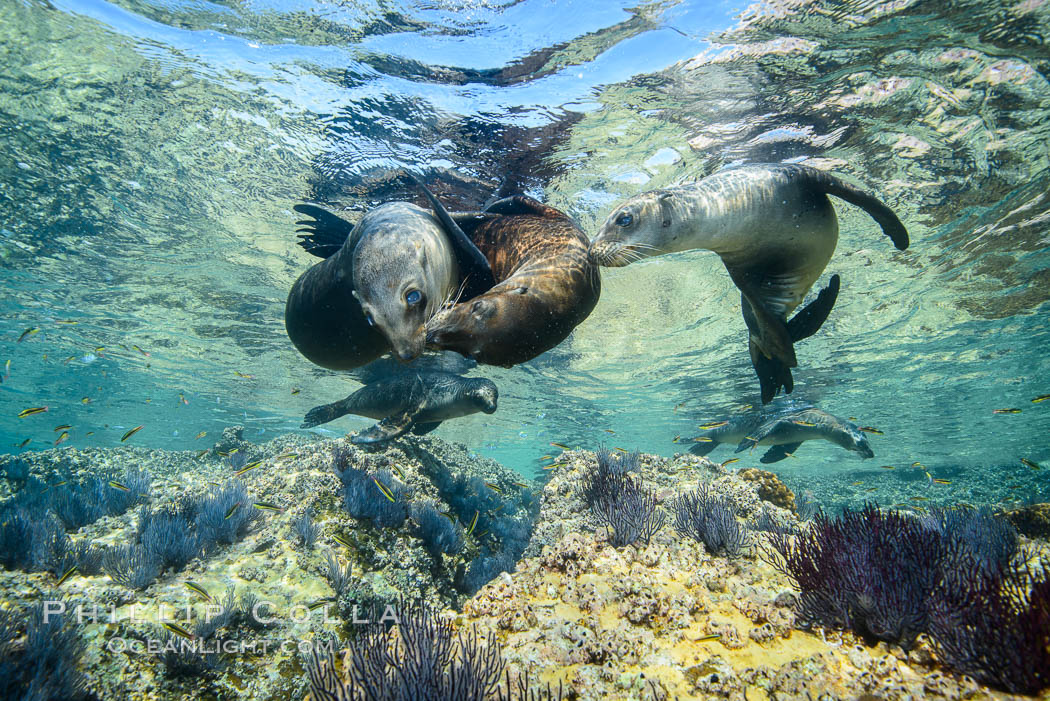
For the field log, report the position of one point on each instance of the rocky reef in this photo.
(525, 568)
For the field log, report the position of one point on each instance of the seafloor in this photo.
(637, 622)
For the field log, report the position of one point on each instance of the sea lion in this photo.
(775, 230)
(380, 281)
(418, 401)
(784, 429)
(546, 284)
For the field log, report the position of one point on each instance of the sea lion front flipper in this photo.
(325, 234)
(523, 205)
(777, 453)
(425, 428)
(702, 448)
(389, 428)
(770, 333)
(813, 315)
(474, 267)
(325, 413)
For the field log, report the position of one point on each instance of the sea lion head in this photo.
(403, 272)
(483, 394)
(852, 438)
(492, 328)
(640, 227)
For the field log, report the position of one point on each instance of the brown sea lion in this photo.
(546, 284)
(775, 230)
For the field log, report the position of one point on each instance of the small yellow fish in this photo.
(621, 450)
(200, 435)
(1006, 411)
(450, 517)
(703, 439)
(177, 630)
(63, 427)
(560, 445)
(610, 432)
(28, 332)
(85, 400)
(747, 407)
(248, 468)
(318, 604)
(62, 438)
(31, 410)
(24, 443)
(920, 498)
(730, 461)
(917, 464)
(1030, 463)
(939, 480)
(400, 474)
(202, 453)
(856, 484)
(676, 438)
(708, 638)
(67, 575)
(384, 490)
(494, 487)
(266, 506)
(130, 433)
(553, 465)
(342, 541)
(232, 511)
(243, 375)
(68, 360)
(7, 369)
(1040, 398)
(523, 485)
(139, 349)
(99, 349)
(182, 398)
(546, 457)
(473, 522)
(871, 489)
(715, 424)
(90, 433)
(871, 429)
(287, 456)
(117, 485)
(803, 423)
(887, 467)
(296, 390)
(198, 590)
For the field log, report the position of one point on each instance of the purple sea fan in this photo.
(995, 625)
(870, 570)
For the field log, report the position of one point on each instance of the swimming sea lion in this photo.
(774, 229)
(784, 429)
(379, 282)
(418, 401)
(546, 284)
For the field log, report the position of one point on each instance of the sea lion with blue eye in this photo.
(546, 284)
(775, 230)
(381, 280)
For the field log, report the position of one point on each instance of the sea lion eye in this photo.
(414, 297)
(625, 219)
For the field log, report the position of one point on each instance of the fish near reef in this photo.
(784, 429)
(380, 281)
(412, 401)
(546, 285)
(775, 230)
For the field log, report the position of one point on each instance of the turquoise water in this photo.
(153, 152)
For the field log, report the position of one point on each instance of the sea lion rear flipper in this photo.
(389, 428)
(813, 315)
(769, 333)
(423, 429)
(777, 453)
(325, 234)
(772, 374)
(474, 268)
(325, 413)
(703, 447)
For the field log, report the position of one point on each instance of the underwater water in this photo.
(153, 151)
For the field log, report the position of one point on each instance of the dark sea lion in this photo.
(785, 429)
(546, 284)
(380, 281)
(418, 401)
(775, 230)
